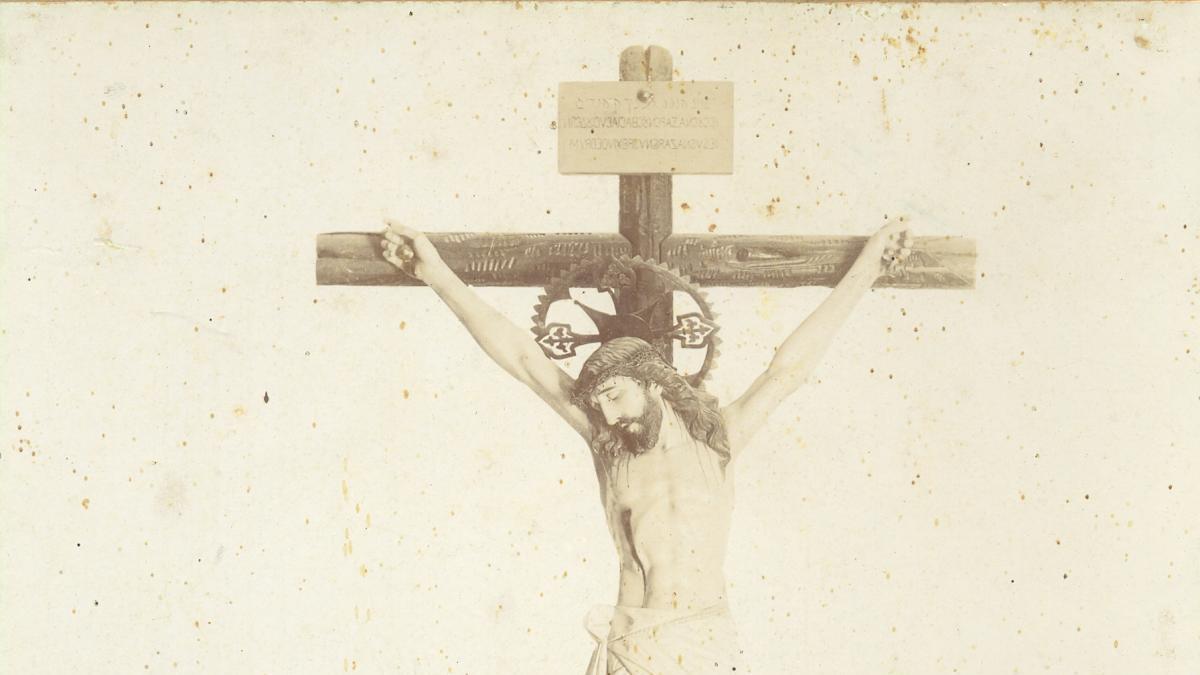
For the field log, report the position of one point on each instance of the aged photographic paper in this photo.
(332, 344)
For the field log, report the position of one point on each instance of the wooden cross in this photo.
(644, 229)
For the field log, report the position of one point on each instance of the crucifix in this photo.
(644, 232)
(664, 449)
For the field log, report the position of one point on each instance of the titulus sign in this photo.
(645, 127)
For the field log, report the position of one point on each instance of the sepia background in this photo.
(211, 465)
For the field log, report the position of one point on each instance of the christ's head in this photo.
(631, 408)
(625, 385)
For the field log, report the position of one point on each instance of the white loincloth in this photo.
(664, 641)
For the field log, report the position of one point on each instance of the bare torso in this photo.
(669, 510)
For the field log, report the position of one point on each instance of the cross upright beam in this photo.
(645, 216)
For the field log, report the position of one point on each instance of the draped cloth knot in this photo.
(663, 641)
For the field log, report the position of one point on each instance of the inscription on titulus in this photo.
(645, 127)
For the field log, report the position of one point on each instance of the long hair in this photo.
(635, 358)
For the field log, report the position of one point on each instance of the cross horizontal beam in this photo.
(527, 259)
(784, 261)
(536, 259)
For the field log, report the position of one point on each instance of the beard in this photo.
(641, 433)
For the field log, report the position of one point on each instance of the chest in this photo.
(684, 475)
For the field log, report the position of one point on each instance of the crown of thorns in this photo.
(628, 367)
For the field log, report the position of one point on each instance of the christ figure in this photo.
(664, 453)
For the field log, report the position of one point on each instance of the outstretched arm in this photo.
(509, 346)
(800, 352)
